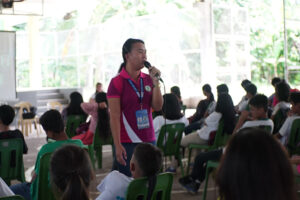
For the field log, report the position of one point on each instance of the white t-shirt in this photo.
(159, 121)
(113, 186)
(211, 107)
(4, 189)
(257, 123)
(285, 130)
(211, 123)
(281, 105)
(242, 105)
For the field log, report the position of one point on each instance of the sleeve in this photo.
(284, 130)
(89, 108)
(115, 88)
(4, 189)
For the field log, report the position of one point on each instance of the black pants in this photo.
(201, 159)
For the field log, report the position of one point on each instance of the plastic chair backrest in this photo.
(169, 138)
(294, 139)
(23, 106)
(279, 119)
(221, 137)
(11, 160)
(55, 105)
(73, 122)
(15, 197)
(44, 189)
(98, 141)
(138, 188)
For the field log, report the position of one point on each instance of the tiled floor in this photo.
(35, 142)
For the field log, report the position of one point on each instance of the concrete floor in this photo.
(35, 142)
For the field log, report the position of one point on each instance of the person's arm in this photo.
(243, 117)
(115, 115)
(157, 100)
(88, 107)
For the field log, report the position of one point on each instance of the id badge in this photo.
(142, 119)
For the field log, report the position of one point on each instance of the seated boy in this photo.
(259, 112)
(7, 115)
(285, 130)
(145, 162)
(53, 125)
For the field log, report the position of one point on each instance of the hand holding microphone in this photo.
(154, 72)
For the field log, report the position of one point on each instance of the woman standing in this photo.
(131, 96)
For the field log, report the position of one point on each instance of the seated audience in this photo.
(224, 110)
(259, 112)
(282, 93)
(98, 89)
(71, 173)
(245, 113)
(7, 115)
(74, 106)
(255, 166)
(273, 99)
(285, 130)
(204, 108)
(145, 162)
(176, 91)
(53, 125)
(243, 102)
(99, 117)
(171, 114)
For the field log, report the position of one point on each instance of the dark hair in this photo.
(226, 108)
(259, 101)
(255, 166)
(103, 117)
(52, 121)
(222, 89)
(295, 97)
(207, 88)
(251, 88)
(127, 46)
(275, 80)
(71, 172)
(7, 114)
(245, 82)
(171, 107)
(149, 159)
(74, 107)
(176, 91)
(282, 90)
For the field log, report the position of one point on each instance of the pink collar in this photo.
(125, 75)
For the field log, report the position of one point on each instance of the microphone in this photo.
(148, 65)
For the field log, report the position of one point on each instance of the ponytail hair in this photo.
(71, 173)
(149, 160)
(103, 117)
(127, 46)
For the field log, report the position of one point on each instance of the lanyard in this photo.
(140, 96)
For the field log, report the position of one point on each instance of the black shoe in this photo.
(191, 187)
(185, 180)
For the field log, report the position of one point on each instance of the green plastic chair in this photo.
(138, 188)
(293, 145)
(73, 122)
(11, 160)
(15, 197)
(96, 148)
(169, 140)
(210, 165)
(43, 184)
(220, 140)
(279, 119)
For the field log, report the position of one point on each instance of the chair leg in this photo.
(91, 153)
(206, 183)
(181, 166)
(189, 161)
(99, 157)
